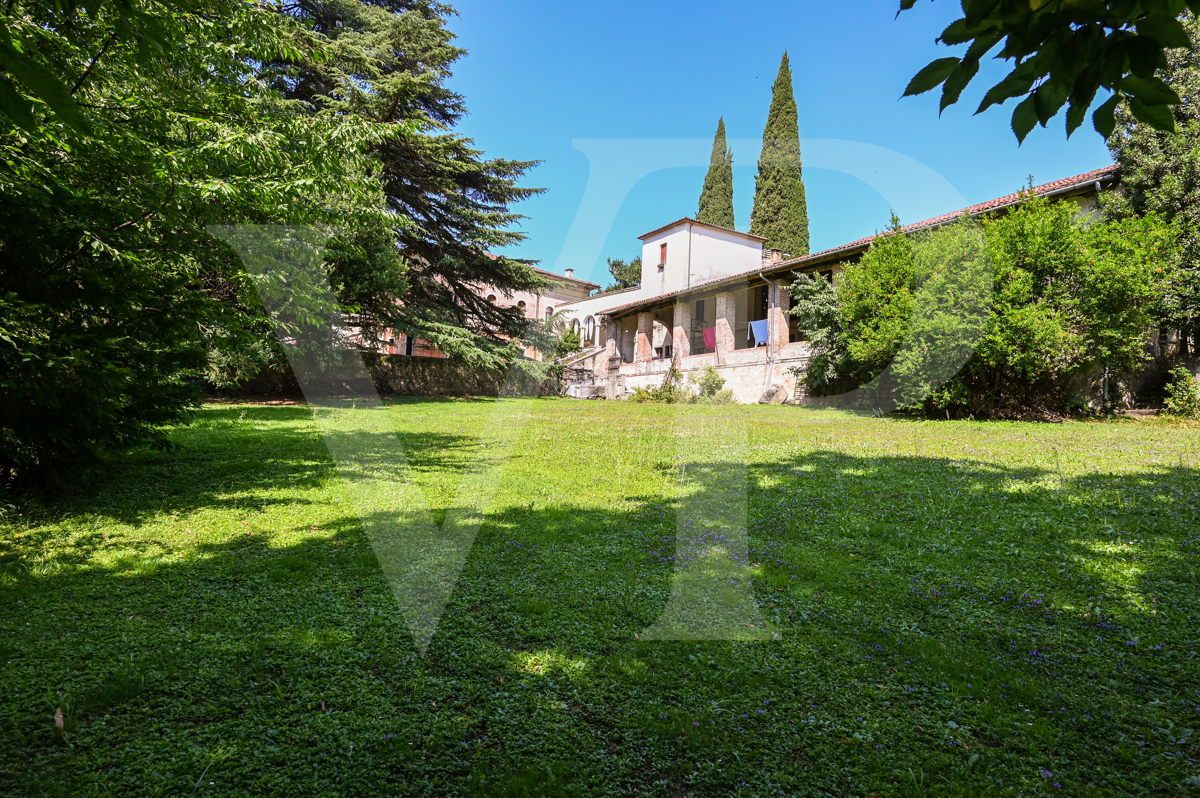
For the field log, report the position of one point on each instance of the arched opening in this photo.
(491, 298)
(549, 313)
(521, 305)
(589, 331)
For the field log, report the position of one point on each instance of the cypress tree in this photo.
(780, 208)
(716, 198)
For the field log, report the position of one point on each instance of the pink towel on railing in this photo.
(710, 338)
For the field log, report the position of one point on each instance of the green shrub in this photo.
(989, 318)
(722, 397)
(709, 389)
(569, 344)
(669, 391)
(1183, 394)
(708, 382)
(819, 321)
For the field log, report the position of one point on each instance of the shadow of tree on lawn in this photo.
(906, 588)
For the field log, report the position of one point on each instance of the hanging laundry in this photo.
(710, 338)
(758, 329)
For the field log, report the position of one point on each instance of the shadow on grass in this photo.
(910, 590)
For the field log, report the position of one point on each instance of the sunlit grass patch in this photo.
(954, 607)
(551, 662)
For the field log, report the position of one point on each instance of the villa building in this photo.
(712, 296)
(564, 289)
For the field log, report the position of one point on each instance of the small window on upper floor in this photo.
(662, 254)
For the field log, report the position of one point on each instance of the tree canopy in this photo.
(1160, 174)
(1066, 296)
(389, 63)
(112, 292)
(1064, 52)
(116, 302)
(625, 275)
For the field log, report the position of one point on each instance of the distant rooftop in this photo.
(544, 273)
(566, 278)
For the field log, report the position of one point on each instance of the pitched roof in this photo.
(493, 256)
(1056, 187)
(644, 236)
(565, 278)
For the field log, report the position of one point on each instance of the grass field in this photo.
(961, 609)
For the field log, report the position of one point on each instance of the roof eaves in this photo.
(564, 278)
(644, 236)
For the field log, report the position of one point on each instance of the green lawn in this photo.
(961, 609)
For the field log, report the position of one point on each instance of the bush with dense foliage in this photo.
(670, 391)
(707, 381)
(916, 323)
(1183, 394)
(569, 344)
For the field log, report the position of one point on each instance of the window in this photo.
(409, 345)
(491, 298)
(549, 313)
(662, 254)
(521, 305)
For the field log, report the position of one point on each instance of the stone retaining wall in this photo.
(404, 375)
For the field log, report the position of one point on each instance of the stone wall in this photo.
(402, 375)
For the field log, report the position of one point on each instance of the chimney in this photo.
(772, 256)
(570, 272)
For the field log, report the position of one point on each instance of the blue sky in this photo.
(620, 101)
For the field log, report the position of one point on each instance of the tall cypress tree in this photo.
(780, 208)
(716, 198)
